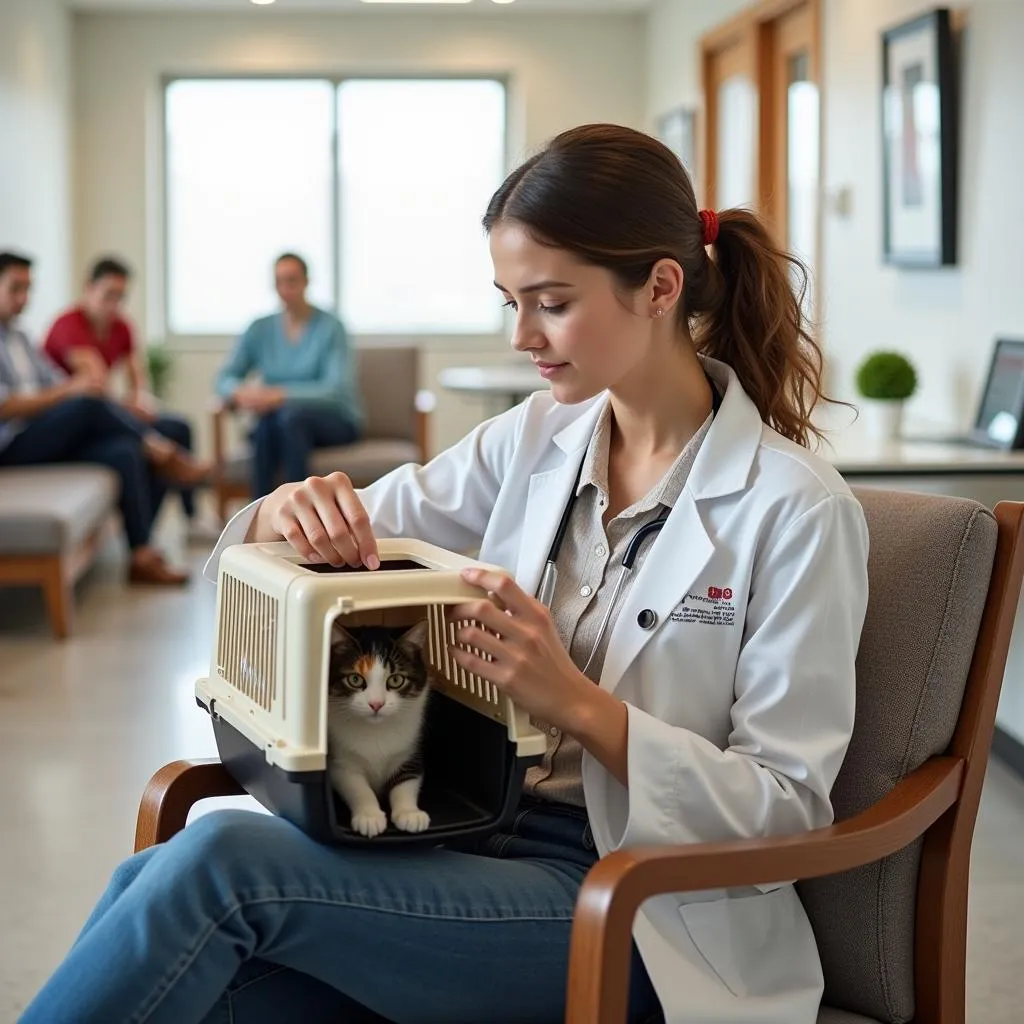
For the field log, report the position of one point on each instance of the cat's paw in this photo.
(370, 823)
(411, 820)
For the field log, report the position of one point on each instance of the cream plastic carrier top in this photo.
(272, 642)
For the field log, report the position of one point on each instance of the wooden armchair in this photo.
(397, 418)
(885, 887)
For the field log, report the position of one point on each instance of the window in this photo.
(419, 161)
(250, 174)
(379, 184)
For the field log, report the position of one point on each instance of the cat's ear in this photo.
(417, 636)
(341, 638)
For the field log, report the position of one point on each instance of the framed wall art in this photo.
(677, 129)
(919, 133)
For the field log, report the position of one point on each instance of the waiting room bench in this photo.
(52, 522)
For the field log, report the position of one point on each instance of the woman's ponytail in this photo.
(746, 313)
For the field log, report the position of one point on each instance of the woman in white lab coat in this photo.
(682, 382)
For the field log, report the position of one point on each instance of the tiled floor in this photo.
(85, 723)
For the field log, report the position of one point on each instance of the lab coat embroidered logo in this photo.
(715, 608)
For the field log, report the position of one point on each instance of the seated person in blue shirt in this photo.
(307, 398)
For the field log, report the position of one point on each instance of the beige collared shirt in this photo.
(589, 565)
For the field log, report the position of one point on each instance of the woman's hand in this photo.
(529, 664)
(322, 518)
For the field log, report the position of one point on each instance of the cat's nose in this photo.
(376, 705)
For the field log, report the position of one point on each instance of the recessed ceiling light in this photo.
(261, 3)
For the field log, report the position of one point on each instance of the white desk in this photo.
(985, 475)
(848, 447)
(511, 384)
(857, 456)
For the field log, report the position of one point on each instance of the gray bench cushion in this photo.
(364, 461)
(45, 510)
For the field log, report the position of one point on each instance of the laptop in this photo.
(999, 421)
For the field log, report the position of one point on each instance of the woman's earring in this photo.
(659, 312)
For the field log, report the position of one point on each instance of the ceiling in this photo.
(518, 7)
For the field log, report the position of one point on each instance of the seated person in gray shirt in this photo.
(48, 417)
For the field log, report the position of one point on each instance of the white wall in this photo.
(674, 28)
(35, 152)
(944, 319)
(563, 70)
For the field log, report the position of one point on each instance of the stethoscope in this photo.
(549, 578)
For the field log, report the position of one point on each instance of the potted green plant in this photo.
(160, 365)
(886, 380)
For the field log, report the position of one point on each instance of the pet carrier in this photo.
(267, 689)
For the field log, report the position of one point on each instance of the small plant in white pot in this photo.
(886, 380)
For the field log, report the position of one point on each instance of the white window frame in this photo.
(158, 283)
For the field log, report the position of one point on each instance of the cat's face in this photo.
(374, 674)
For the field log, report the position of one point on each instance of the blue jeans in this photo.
(86, 429)
(242, 919)
(284, 440)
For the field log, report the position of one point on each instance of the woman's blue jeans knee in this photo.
(242, 918)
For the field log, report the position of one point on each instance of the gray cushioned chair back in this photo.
(388, 382)
(929, 568)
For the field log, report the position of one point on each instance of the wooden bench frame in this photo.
(57, 574)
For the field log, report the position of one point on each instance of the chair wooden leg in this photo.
(940, 945)
(57, 592)
(171, 794)
(222, 504)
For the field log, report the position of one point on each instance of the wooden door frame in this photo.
(752, 28)
(773, 144)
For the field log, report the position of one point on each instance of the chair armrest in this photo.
(618, 884)
(220, 411)
(426, 402)
(173, 791)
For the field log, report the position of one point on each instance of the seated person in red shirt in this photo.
(94, 337)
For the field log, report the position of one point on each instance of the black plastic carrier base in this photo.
(472, 781)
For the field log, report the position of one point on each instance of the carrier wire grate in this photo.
(441, 635)
(247, 647)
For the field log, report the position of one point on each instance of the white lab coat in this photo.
(740, 699)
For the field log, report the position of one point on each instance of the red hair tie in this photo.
(709, 221)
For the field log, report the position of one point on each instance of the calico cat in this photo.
(376, 701)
